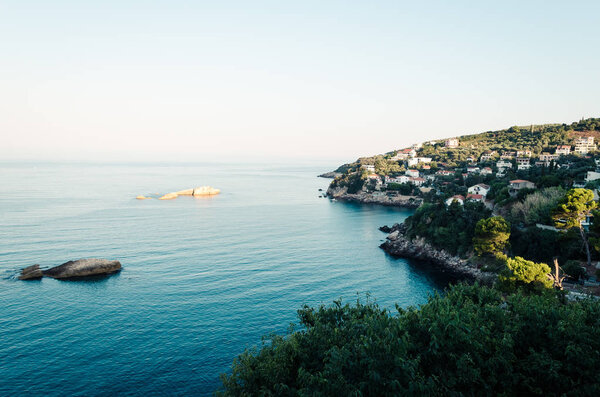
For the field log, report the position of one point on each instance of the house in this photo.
(507, 155)
(416, 181)
(397, 179)
(470, 159)
(412, 173)
(486, 171)
(426, 167)
(451, 143)
(563, 150)
(416, 160)
(475, 197)
(481, 189)
(523, 163)
(592, 176)
(518, 184)
(377, 179)
(487, 156)
(473, 170)
(523, 153)
(458, 198)
(404, 154)
(547, 157)
(503, 164)
(369, 167)
(584, 145)
(444, 173)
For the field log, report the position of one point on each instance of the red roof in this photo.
(519, 181)
(417, 179)
(475, 196)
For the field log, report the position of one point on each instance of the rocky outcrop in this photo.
(32, 272)
(374, 198)
(83, 268)
(196, 192)
(142, 197)
(398, 244)
(331, 175)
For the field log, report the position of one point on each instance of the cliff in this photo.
(341, 193)
(397, 244)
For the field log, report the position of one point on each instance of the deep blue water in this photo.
(202, 278)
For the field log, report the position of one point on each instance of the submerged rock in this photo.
(32, 272)
(83, 267)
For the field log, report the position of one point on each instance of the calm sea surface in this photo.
(202, 278)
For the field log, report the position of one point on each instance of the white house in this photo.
(486, 171)
(502, 164)
(592, 176)
(480, 188)
(563, 150)
(397, 179)
(412, 173)
(584, 145)
(369, 167)
(444, 173)
(458, 198)
(451, 143)
(523, 163)
(487, 156)
(416, 160)
(523, 153)
(547, 157)
(475, 197)
(416, 181)
(473, 170)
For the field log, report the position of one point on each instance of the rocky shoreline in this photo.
(397, 244)
(369, 198)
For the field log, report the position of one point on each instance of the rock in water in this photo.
(31, 273)
(83, 267)
(205, 191)
(169, 196)
(142, 197)
(186, 192)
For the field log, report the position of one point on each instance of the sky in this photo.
(284, 80)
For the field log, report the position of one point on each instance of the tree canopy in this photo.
(491, 236)
(471, 341)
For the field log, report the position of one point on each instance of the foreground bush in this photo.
(469, 342)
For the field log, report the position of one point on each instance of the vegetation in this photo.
(472, 341)
(572, 210)
(491, 236)
(520, 273)
(451, 228)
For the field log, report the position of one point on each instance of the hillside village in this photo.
(520, 174)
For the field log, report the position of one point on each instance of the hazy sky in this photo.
(193, 80)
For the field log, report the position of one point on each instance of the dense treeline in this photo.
(451, 228)
(472, 341)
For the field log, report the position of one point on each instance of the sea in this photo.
(202, 279)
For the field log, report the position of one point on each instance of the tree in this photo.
(472, 341)
(523, 274)
(491, 235)
(572, 210)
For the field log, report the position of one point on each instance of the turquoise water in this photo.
(202, 278)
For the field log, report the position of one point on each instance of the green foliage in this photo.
(523, 274)
(573, 208)
(574, 269)
(402, 188)
(469, 342)
(491, 236)
(353, 181)
(536, 207)
(450, 228)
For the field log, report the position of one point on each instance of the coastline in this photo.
(397, 244)
(368, 198)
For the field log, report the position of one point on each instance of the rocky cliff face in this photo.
(398, 244)
(341, 193)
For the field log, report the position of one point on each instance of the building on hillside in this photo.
(369, 167)
(523, 153)
(470, 159)
(375, 179)
(584, 145)
(486, 171)
(523, 163)
(592, 176)
(547, 157)
(416, 181)
(452, 143)
(444, 173)
(473, 170)
(475, 197)
(563, 150)
(417, 160)
(487, 156)
(404, 154)
(480, 188)
(412, 173)
(397, 179)
(508, 155)
(502, 164)
(416, 146)
(458, 198)
(518, 184)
